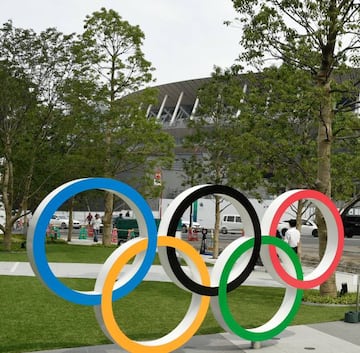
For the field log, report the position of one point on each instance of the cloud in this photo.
(183, 38)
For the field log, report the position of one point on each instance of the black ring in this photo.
(171, 252)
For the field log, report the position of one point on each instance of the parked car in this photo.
(186, 224)
(307, 228)
(350, 216)
(63, 222)
(231, 224)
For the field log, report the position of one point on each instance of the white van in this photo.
(231, 224)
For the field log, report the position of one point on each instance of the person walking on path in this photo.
(96, 226)
(292, 236)
(89, 218)
(203, 241)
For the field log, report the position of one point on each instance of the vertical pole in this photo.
(190, 232)
(357, 294)
(160, 203)
(158, 182)
(195, 210)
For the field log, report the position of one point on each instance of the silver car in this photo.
(63, 222)
(308, 228)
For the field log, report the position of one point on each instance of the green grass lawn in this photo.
(33, 318)
(60, 251)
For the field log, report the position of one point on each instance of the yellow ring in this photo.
(175, 338)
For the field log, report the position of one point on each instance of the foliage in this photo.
(211, 135)
(277, 114)
(36, 66)
(315, 40)
(64, 113)
(121, 139)
(213, 128)
(302, 33)
(313, 296)
(318, 37)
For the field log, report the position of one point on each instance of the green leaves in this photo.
(299, 32)
(106, 97)
(112, 48)
(63, 113)
(215, 127)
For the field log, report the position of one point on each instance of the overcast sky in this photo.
(184, 39)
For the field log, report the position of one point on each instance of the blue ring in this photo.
(37, 251)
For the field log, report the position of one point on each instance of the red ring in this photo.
(315, 195)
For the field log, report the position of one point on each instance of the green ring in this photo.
(223, 303)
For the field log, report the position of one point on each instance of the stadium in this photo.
(178, 102)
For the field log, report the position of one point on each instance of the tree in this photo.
(33, 67)
(113, 67)
(211, 134)
(316, 36)
(277, 114)
(278, 136)
(15, 88)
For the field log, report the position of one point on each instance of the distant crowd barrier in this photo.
(232, 268)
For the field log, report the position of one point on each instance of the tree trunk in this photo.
(216, 228)
(8, 201)
(299, 223)
(109, 197)
(71, 217)
(324, 142)
(107, 219)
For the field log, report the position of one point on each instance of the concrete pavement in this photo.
(83, 270)
(331, 337)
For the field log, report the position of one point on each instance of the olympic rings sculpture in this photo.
(231, 269)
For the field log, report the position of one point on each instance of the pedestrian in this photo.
(122, 232)
(203, 241)
(89, 218)
(96, 227)
(292, 236)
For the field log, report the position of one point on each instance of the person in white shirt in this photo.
(292, 236)
(96, 223)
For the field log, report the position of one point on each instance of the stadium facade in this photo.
(178, 102)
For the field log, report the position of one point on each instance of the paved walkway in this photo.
(332, 337)
(80, 270)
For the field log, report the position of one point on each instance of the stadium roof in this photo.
(178, 101)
